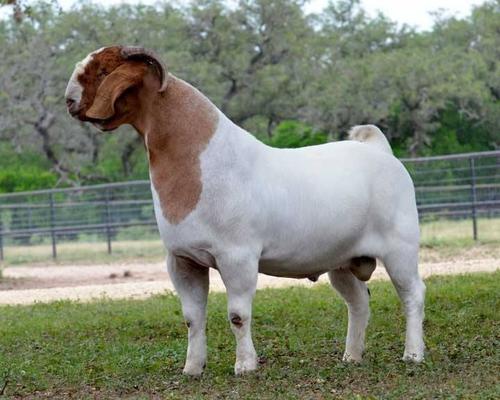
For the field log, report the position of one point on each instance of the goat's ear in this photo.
(112, 87)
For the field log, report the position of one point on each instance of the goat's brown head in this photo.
(104, 87)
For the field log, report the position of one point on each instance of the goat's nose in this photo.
(72, 106)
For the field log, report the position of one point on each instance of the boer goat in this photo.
(225, 200)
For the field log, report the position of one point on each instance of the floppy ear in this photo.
(112, 87)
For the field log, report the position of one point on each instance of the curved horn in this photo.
(151, 57)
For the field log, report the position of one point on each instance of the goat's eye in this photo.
(102, 73)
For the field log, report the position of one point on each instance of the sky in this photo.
(412, 12)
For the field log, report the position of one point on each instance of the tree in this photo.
(264, 63)
(256, 55)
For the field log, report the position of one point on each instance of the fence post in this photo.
(52, 225)
(473, 196)
(30, 218)
(1, 238)
(108, 221)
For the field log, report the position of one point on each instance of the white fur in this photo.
(372, 135)
(294, 213)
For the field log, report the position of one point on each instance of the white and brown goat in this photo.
(225, 200)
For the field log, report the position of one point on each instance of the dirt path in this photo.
(28, 285)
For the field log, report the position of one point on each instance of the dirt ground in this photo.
(28, 285)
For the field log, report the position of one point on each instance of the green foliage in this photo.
(290, 134)
(25, 171)
(136, 349)
(110, 165)
(25, 178)
(458, 134)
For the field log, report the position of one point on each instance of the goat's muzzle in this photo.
(72, 106)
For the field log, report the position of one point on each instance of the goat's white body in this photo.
(302, 212)
(294, 213)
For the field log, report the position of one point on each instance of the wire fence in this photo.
(463, 187)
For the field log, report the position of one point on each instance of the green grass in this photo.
(86, 253)
(136, 349)
(451, 232)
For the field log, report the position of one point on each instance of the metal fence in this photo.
(459, 186)
(463, 186)
(66, 214)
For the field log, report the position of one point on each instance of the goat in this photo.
(225, 200)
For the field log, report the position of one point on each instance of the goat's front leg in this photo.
(240, 279)
(191, 283)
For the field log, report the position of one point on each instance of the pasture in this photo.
(136, 349)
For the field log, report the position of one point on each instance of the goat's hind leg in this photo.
(191, 282)
(355, 294)
(402, 267)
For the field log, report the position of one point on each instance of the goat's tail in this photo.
(371, 135)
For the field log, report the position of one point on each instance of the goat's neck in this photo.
(177, 126)
(178, 122)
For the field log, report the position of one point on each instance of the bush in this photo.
(20, 180)
(22, 172)
(291, 134)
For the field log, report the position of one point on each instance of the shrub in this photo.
(24, 171)
(30, 178)
(291, 134)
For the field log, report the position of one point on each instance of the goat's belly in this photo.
(312, 272)
(312, 243)
(303, 265)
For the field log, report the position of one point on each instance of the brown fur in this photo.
(181, 124)
(113, 86)
(101, 65)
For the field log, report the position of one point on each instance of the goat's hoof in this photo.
(193, 369)
(413, 357)
(352, 357)
(245, 366)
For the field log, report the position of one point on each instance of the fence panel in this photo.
(72, 214)
(456, 189)
(452, 192)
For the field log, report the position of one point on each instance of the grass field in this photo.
(86, 252)
(448, 231)
(136, 349)
(453, 235)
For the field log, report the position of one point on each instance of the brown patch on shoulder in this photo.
(184, 121)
